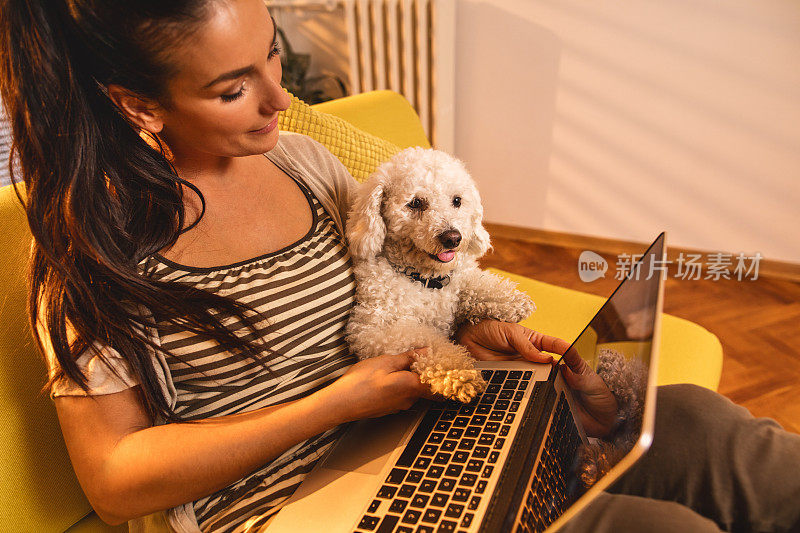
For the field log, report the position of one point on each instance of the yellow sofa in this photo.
(42, 493)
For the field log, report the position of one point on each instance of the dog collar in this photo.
(430, 283)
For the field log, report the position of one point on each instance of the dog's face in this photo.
(421, 209)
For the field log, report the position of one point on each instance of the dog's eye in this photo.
(416, 203)
(457, 201)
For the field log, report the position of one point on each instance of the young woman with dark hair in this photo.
(190, 294)
(193, 323)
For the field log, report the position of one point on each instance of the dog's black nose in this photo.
(450, 238)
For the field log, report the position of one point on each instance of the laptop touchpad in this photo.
(368, 444)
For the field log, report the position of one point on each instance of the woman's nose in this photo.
(274, 98)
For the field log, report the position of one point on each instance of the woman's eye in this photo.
(457, 201)
(231, 97)
(416, 203)
(276, 50)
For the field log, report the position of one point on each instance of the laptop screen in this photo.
(617, 342)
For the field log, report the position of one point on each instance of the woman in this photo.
(193, 322)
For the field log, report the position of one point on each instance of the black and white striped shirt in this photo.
(306, 291)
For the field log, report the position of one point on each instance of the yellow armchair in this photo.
(42, 493)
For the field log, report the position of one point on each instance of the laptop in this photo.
(506, 461)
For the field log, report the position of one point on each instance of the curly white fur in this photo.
(388, 230)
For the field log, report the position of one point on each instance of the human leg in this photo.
(623, 513)
(713, 456)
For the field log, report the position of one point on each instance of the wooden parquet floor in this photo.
(757, 321)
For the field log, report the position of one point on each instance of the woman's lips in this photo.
(268, 128)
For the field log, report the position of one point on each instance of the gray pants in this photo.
(712, 467)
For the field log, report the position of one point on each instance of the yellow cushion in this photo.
(689, 353)
(385, 114)
(360, 152)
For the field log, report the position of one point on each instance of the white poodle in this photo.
(415, 234)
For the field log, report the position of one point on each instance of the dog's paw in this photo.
(455, 384)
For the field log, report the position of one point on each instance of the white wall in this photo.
(621, 119)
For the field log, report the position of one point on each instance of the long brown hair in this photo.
(100, 199)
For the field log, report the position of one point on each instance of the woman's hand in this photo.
(492, 340)
(377, 386)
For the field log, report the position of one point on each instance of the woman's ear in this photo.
(366, 229)
(141, 111)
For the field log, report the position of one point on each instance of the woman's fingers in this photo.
(521, 339)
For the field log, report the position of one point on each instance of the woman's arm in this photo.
(129, 468)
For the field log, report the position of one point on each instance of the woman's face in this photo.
(226, 95)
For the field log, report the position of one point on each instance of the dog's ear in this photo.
(479, 244)
(366, 229)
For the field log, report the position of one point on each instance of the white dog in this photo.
(415, 233)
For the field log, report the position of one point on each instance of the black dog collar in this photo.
(431, 283)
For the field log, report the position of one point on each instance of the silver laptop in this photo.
(505, 462)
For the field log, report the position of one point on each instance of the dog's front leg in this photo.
(485, 295)
(448, 369)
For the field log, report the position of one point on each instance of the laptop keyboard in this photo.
(439, 480)
(547, 497)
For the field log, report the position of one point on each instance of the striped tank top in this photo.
(306, 291)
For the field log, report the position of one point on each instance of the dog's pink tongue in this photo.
(447, 256)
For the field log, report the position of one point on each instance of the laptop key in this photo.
(453, 470)
(515, 374)
(474, 503)
(398, 506)
(481, 486)
(427, 486)
(447, 484)
(454, 510)
(483, 409)
(497, 416)
(466, 444)
(467, 520)
(474, 465)
(519, 395)
(387, 492)
(422, 463)
(396, 476)
(374, 506)
(461, 422)
(432, 516)
(527, 374)
(478, 420)
(486, 374)
(480, 452)
(439, 499)
(406, 491)
(468, 480)
(455, 433)
(472, 432)
(435, 472)
(448, 415)
(467, 409)
(415, 476)
(447, 526)
(505, 395)
(514, 407)
(501, 404)
(511, 384)
(388, 523)
(499, 443)
(418, 438)
(509, 418)
(441, 458)
(369, 522)
(493, 389)
(493, 457)
(411, 516)
(424, 529)
(522, 385)
(435, 438)
(448, 445)
(487, 471)
(491, 427)
(429, 449)
(441, 426)
(460, 457)
(420, 500)
(461, 494)
(499, 376)
(486, 439)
